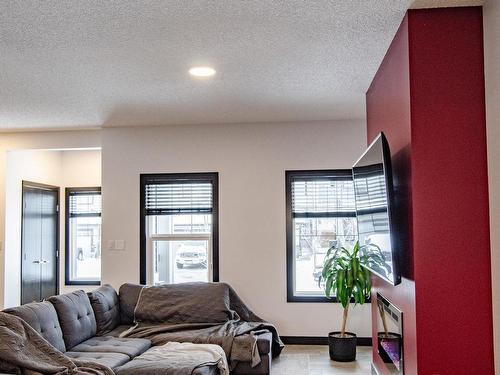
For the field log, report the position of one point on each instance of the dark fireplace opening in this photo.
(390, 335)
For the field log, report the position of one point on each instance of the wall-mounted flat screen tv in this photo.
(373, 192)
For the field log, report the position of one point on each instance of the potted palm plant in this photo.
(346, 276)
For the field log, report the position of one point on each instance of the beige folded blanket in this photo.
(187, 353)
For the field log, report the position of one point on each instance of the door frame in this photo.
(57, 189)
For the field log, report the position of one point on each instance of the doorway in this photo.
(39, 241)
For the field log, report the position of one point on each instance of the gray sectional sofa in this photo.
(86, 326)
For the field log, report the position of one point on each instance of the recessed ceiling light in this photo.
(202, 71)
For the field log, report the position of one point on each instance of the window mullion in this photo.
(180, 237)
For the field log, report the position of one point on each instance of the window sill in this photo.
(82, 283)
(317, 299)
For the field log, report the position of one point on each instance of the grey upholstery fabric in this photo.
(106, 305)
(185, 303)
(201, 313)
(108, 344)
(75, 316)
(264, 342)
(244, 368)
(171, 361)
(129, 294)
(25, 351)
(118, 330)
(132, 368)
(111, 360)
(42, 317)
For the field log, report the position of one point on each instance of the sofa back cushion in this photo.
(129, 294)
(76, 317)
(195, 302)
(106, 305)
(42, 317)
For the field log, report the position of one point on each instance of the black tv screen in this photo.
(373, 192)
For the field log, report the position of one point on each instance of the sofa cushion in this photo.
(76, 317)
(137, 366)
(42, 317)
(112, 360)
(119, 330)
(106, 305)
(171, 358)
(108, 344)
(129, 295)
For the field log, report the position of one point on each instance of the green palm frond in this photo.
(345, 272)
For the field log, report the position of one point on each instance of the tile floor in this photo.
(314, 360)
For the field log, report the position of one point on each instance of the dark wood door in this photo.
(40, 238)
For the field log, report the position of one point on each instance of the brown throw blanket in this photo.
(208, 313)
(24, 351)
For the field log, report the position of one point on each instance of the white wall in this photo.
(31, 141)
(81, 168)
(34, 166)
(251, 161)
(69, 168)
(78, 169)
(492, 71)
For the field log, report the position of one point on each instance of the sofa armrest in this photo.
(263, 368)
(264, 342)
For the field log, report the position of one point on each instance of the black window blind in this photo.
(84, 203)
(172, 197)
(323, 196)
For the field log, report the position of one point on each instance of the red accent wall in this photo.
(428, 98)
(388, 110)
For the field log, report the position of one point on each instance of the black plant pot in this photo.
(342, 349)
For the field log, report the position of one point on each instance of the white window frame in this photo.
(176, 237)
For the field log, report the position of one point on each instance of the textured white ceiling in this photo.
(87, 63)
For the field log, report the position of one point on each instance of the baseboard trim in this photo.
(319, 340)
(364, 341)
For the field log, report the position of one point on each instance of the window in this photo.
(83, 236)
(320, 214)
(179, 228)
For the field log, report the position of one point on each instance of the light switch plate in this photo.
(110, 245)
(119, 244)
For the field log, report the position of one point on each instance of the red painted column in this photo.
(428, 97)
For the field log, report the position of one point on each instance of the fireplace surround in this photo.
(389, 343)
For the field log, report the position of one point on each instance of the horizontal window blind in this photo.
(178, 197)
(84, 203)
(322, 197)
